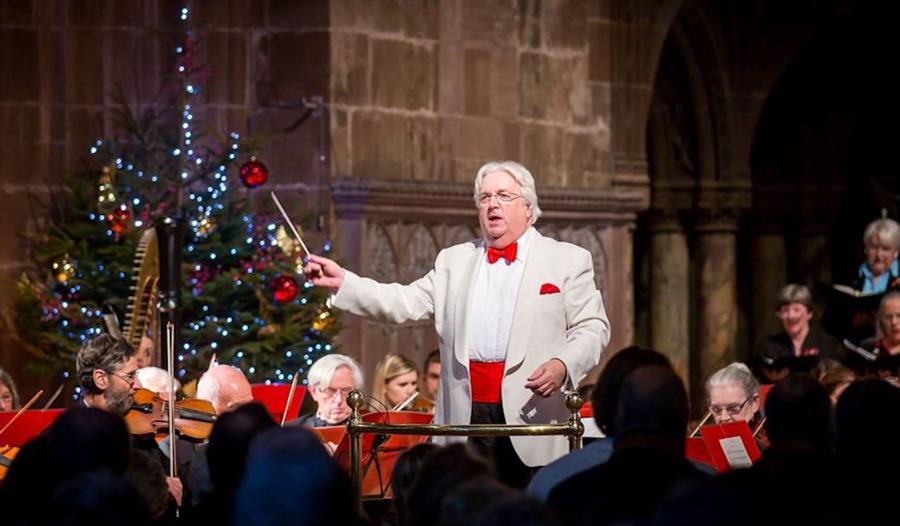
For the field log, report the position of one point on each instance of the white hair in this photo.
(734, 373)
(523, 178)
(155, 379)
(883, 231)
(322, 372)
(208, 387)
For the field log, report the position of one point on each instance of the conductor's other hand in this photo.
(547, 378)
(323, 272)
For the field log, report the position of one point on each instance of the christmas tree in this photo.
(242, 300)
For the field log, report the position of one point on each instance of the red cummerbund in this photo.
(487, 378)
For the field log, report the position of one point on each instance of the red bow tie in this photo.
(508, 253)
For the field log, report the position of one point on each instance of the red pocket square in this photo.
(549, 288)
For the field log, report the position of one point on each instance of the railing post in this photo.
(574, 403)
(355, 400)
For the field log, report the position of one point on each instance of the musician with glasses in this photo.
(733, 394)
(107, 373)
(518, 317)
(331, 378)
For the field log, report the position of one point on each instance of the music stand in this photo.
(274, 396)
(378, 468)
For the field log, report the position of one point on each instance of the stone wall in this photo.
(414, 91)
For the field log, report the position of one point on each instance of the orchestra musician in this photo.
(107, 373)
(9, 396)
(733, 396)
(394, 380)
(225, 387)
(107, 367)
(518, 317)
(330, 379)
(431, 375)
(155, 379)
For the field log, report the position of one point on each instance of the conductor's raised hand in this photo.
(323, 272)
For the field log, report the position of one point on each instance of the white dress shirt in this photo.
(494, 303)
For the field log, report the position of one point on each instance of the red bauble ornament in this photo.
(284, 289)
(119, 220)
(254, 173)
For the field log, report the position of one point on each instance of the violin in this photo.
(7, 454)
(194, 418)
(422, 405)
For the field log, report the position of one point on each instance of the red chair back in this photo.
(274, 397)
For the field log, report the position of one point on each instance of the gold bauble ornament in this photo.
(205, 226)
(106, 196)
(323, 319)
(287, 243)
(64, 268)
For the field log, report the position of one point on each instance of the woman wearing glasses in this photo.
(733, 394)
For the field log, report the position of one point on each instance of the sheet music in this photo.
(735, 452)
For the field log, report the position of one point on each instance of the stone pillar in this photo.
(670, 292)
(813, 254)
(768, 275)
(716, 251)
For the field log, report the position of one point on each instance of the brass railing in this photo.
(573, 429)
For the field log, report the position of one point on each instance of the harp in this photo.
(140, 316)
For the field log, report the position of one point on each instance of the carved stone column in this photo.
(768, 275)
(716, 250)
(670, 291)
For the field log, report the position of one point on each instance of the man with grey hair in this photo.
(800, 346)
(330, 379)
(517, 314)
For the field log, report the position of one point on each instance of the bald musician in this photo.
(225, 387)
(518, 317)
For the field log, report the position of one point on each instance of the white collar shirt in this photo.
(494, 304)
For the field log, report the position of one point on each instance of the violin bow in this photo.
(290, 399)
(54, 397)
(173, 435)
(402, 405)
(22, 411)
(705, 418)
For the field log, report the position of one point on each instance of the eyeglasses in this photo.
(731, 409)
(330, 392)
(128, 377)
(503, 198)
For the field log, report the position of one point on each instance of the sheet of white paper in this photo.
(735, 452)
(590, 428)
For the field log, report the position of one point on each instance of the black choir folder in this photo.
(849, 313)
(850, 297)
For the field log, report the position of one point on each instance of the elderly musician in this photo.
(331, 378)
(225, 387)
(517, 314)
